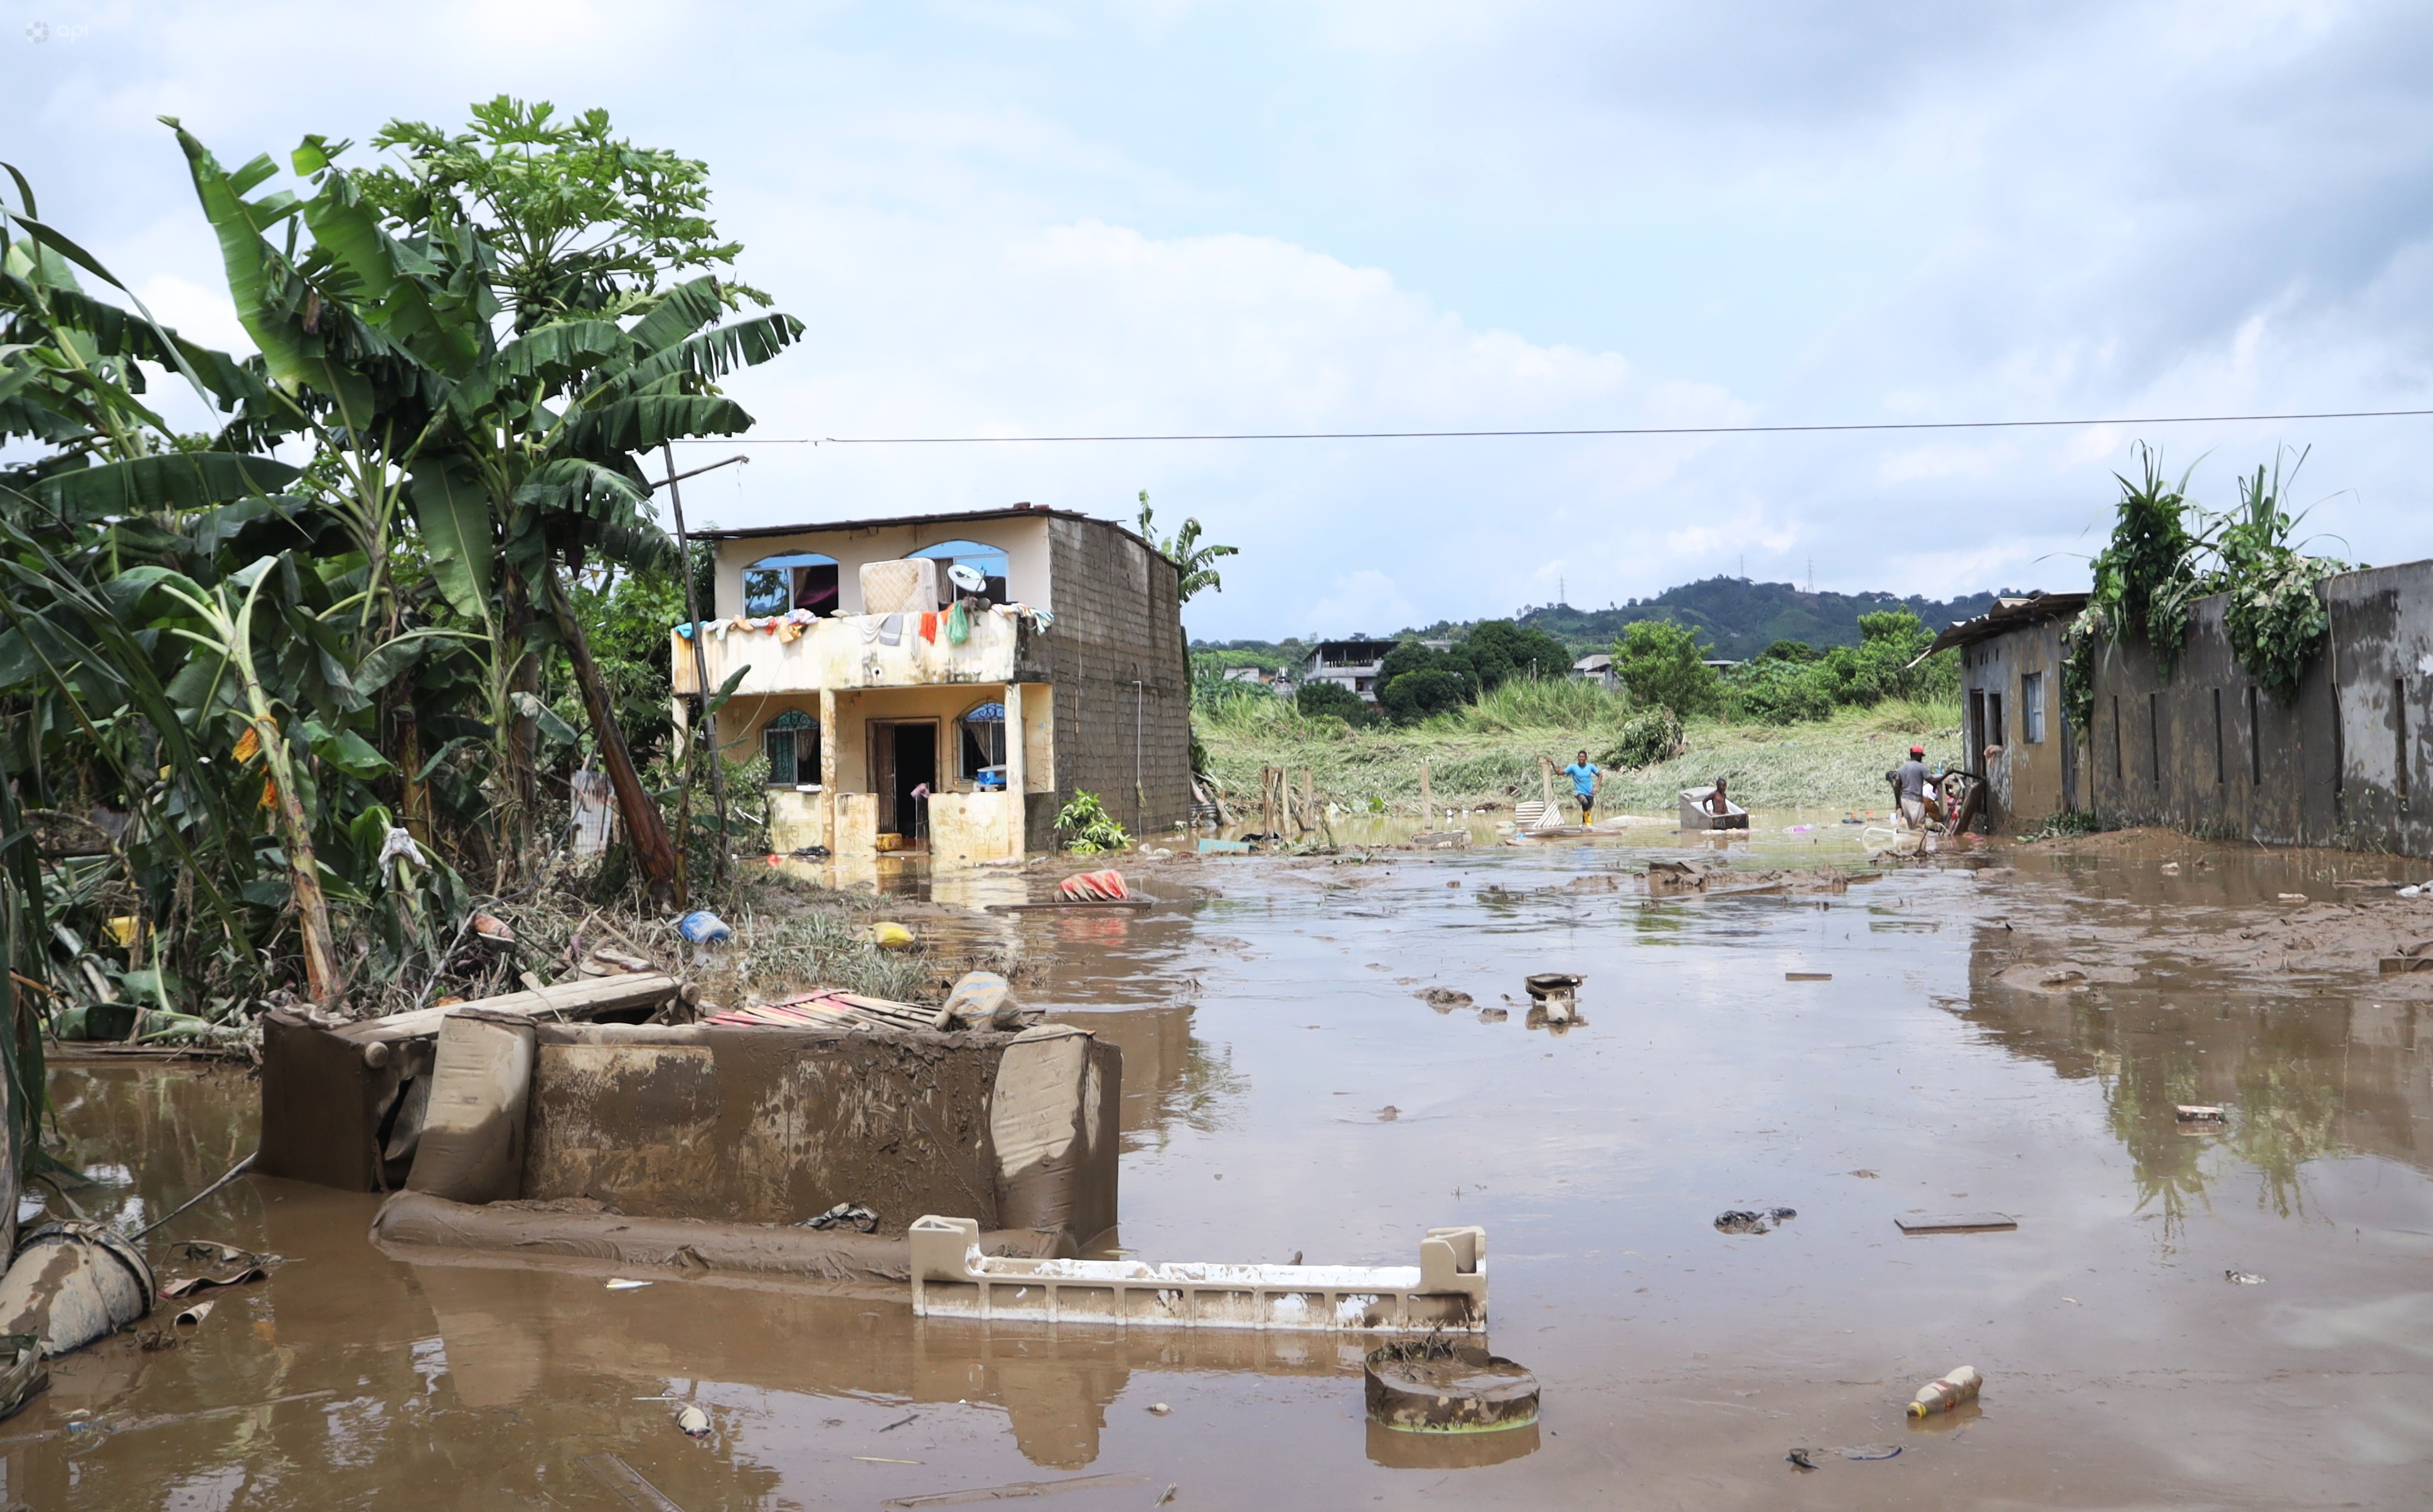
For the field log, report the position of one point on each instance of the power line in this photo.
(1597, 431)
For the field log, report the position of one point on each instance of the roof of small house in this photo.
(2008, 615)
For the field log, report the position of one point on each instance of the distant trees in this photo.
(1792, 682)
(1663, 666)
(1417, 680)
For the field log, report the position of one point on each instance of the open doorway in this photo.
(903, 757)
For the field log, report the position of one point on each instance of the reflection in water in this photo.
(1170, 1078)
(2303, 1074)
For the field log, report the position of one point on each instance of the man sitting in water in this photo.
(1717, 803)
(1586, 778)
(1912, 783)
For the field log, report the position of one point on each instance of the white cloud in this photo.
(1100, 217)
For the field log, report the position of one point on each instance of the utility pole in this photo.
(700, 665)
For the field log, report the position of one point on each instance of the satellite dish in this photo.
(966, 578)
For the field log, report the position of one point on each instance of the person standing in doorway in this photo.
(1587, 777)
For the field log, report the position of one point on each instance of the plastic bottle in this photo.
(1954, 1387)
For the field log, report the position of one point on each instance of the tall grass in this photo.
(1538, 703)
(1490, 753)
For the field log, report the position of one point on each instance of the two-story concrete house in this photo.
(885, 733)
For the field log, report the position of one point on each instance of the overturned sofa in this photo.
(710, 1145)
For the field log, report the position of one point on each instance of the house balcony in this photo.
(854, 652)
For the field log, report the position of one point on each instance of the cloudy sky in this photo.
(1010, 219)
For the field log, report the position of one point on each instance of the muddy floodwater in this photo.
(1286, 1090)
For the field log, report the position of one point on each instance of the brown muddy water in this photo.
(1286, 1090)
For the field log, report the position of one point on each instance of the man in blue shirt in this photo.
(1585, 780)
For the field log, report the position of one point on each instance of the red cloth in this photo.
(1094, 887)
(930, 626)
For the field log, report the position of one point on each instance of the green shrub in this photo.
(1088, 827)
(1414, 696)
(1647, 737)
(1315, 698)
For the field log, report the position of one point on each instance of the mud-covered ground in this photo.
(2008, 1030)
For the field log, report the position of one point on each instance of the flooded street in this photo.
(1288, 1091)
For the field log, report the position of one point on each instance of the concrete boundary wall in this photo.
(2207, 750)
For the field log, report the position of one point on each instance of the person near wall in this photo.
(1587, 777)
(1718, 802)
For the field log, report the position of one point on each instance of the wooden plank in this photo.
(1135, 904)
(1959, 1223)
(571, 999)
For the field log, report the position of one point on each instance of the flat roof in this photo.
(1024, 510)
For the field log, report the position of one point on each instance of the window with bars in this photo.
(791, 742)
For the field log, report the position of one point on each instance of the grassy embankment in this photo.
(1488, 751)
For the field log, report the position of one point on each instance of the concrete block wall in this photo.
(2207, 750)
(2032, 779)
(1118, 621)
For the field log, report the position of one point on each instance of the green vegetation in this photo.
(1660, 665)
(1741, 618)
(1316, 699)
(1488, 751)
(2166, 551)
(268, 727)
(1087, 827)
(1193, 561)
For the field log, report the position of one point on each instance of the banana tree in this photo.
(518, 459)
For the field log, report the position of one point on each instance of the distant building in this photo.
(1597, 669)
(1352, 664)
(883, 733)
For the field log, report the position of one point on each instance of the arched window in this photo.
(983, 745)
(792, 741)
(798, 580)
(988, 561)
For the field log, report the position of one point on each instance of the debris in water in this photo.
(1094, 887)
(900, 1422)
(1019, 1491)
(1958, 1223)
(695, 1422)
(622, 1285)
(1493, 1015)
(627, 1482)
(888, 935)
(1742, 1220)
(2294, 898)
(1808, 976)
(2198, 1113)
(1166, 1495)
(1159, 1409)
(845, 1216)
(2242, 1278)
(1433, 1385)
(703, 927)
(1806, 1458)
(194, 1315)
(72, 1284)
(1949, 1390)
(981, 997)
(1444, 999)
(188, 1285)
(1388, 1113)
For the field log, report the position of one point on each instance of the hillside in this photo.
(1741, 618)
